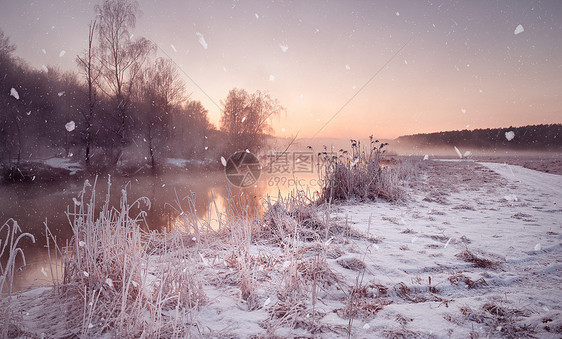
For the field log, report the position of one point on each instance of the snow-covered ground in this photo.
(476, 251)
(511, 216)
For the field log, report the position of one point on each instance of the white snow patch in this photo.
(509, 135)
(14, 93)
(518, 29)
(510, 197)
(201, 39)
(538, 247)
(70, 126)
(64, 163)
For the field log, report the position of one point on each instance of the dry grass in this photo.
(470, 257)
(361, 174)
(500, 321)
(9, 252)
(121, 279)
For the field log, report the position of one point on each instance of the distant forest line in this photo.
(546, 137)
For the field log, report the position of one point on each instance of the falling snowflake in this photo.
(173, 47)
(283, 129)
(426, 157)
(257, 15)
(14, 93)
(60, 94)
(347, 67)
(70, 126)
(243, 119)
(509, 135)
(43, 271)
(463, 110)
(223, 161)
(538, 247)
(397, 13)
(44, 51)
(201, 39)
(267, 302)
(44, 68)
(458, 152)
(518, 29)
(62, 53)
(284, 48)
(271, 77)
(466, 154)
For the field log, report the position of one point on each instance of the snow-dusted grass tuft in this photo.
(362, 174)
(123, 279)
(9, 242)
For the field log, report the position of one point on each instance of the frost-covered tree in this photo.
(159, 90)
(91, 72)
(121, 57)
(245, 118)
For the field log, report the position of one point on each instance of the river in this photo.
(33, 205)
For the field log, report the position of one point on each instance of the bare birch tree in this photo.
(121, 57)
(91, 71)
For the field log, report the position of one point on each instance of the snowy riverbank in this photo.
(475, 251)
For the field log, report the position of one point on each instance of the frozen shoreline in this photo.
(477, 248)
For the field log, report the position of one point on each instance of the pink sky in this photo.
(464, 68)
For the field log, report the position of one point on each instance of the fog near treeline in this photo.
(122, 108)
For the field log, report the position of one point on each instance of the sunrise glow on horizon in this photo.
(468, 64)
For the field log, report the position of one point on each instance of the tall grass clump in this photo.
(10, 236)
(123, 280)
(360, 174)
